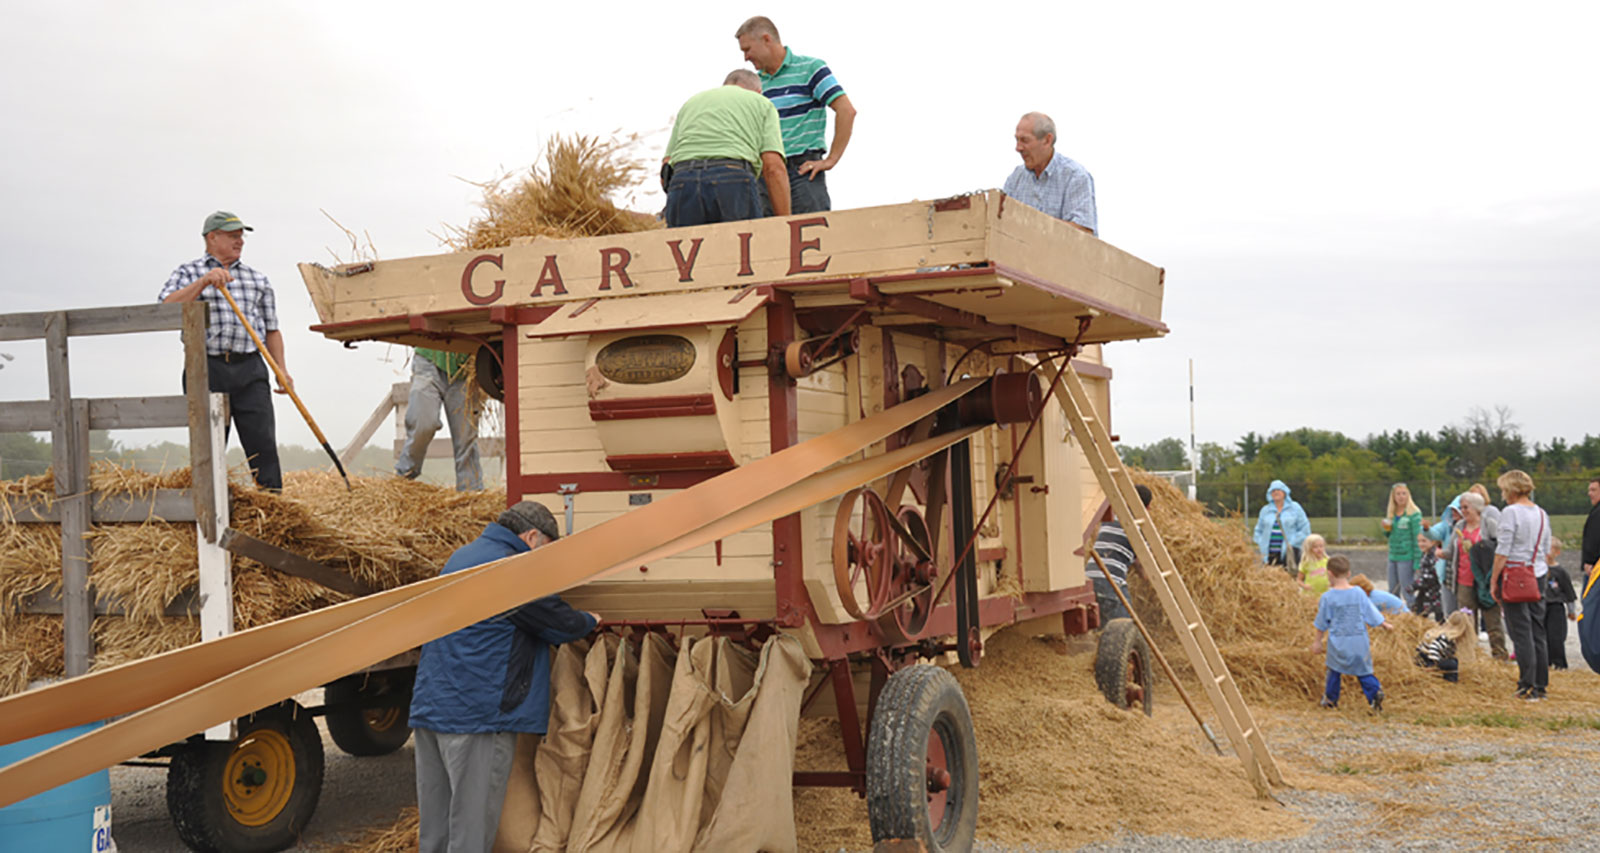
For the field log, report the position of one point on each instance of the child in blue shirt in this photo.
(1343, 615)
(1387, 603)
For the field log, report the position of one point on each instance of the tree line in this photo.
(1330, 472)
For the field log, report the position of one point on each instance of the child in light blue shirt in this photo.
(1343, 615)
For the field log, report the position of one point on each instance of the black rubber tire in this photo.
(375, 722)
(917, 702)
(195, 786)
(1122, 660)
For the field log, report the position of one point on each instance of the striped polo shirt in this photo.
(802, 90)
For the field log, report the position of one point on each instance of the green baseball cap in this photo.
(222, 220)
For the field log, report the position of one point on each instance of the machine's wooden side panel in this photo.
(556, 432)
(1047, 249)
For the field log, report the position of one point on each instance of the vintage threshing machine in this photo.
(634, 366)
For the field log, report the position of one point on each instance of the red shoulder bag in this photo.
(1517, 583)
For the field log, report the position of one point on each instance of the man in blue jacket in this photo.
(1281, 528)
(481, 686)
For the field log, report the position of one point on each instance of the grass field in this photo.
(1568, 527)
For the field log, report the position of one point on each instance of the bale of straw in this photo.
(571, 193)
(386, 532)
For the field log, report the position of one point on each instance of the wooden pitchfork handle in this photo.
(283, 380)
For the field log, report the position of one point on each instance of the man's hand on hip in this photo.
(812, 168)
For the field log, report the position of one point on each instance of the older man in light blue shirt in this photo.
(1048, 181)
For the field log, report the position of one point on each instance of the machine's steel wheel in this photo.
(253, 795)
(1122, 667)
(490, 376)
(910, 572)
(373, 721)
(922, 762)
(863, 543)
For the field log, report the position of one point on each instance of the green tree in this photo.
(1249, 445)
(1168, 454)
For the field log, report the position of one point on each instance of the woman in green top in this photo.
(1402, 521)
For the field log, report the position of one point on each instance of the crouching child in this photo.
(1343, 616)
(1439, 649)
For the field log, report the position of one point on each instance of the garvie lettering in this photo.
(806, 255)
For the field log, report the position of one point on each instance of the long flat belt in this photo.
(190, 689)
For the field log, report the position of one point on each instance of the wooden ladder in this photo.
(1156, 562)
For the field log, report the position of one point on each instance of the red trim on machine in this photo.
(675, 406)
(614, 481)
(513, 420)
(711, 460)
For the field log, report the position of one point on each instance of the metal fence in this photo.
(1335, 499)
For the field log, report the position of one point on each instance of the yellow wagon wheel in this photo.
(258, 777)
(254, 794)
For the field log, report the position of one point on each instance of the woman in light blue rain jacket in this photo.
(1281, 528)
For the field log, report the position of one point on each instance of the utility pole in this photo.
(1194, 452)
(1338, 509)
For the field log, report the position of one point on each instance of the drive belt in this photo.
(191, 689)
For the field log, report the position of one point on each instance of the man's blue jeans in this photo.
(705, 191)
(806, 194)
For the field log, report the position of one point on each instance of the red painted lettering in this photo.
(551, 274)
(797, 247)
(744, 253)
(614, 261)
(685, 265)
(466, 280)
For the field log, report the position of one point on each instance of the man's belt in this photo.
(714, 162)
(233, 356)
(805, 156)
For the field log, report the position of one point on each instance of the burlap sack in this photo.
(577, 693)
(755, 802)
(614, 782)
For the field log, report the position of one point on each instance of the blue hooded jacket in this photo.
(494, 676)
(1296, 527)
(1441, 531)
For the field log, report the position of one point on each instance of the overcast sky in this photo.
(1372, 215)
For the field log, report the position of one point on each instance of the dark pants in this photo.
(705, 191)
(1555, 630)
(1289, 562)
(1369, 686)
(1110, 606)
(243, 377)
(807, 194)
(1525, 626)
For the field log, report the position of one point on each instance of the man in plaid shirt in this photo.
(1048, 181)
(233, 366)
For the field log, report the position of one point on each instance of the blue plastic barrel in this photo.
(73, 817)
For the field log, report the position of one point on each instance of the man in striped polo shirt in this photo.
(1111, 543)
(803, 89)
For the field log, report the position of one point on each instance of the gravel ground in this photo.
(1453, 789)
(1409, 787)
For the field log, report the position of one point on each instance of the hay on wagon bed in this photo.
(571, 193)
(385, 533)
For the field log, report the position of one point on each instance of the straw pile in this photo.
(385, 533)
(570, 194)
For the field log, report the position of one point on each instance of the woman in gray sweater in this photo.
(1524, 539)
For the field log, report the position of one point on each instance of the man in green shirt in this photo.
(440, 378)
(803, 89)
(720, 140)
